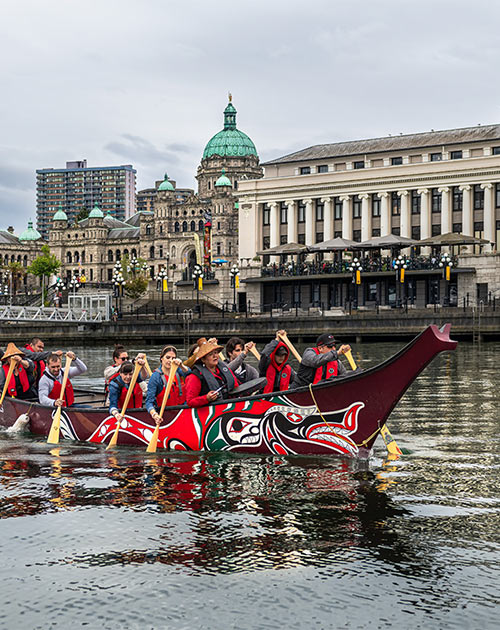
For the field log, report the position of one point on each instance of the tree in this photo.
(44, 265)
(136, 278)
(136, 287)
(83, 214)
(16, 270)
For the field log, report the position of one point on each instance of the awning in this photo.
(452, 238)
(334, 244)
(286, 248)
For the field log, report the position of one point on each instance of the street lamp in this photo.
(235, 281)
(355, 269)
(198, 282)
(74, 284)
(59, 289)
(119, 283)
(400, 264)
(161, 282)
(446, 264)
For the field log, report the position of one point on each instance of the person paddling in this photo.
(49, 387)
(210, 378)
(321, 362)
(158, 382)
(35, 350)
(120, 356)
(274, 365)
(22, 383)
(118, 388)
(237, 351)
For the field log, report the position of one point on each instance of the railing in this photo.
(46, 314)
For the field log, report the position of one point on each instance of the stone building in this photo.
(22, 249)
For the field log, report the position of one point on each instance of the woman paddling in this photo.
(158, 382)
(118, 388)
(22, 382)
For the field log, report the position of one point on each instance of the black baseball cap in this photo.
(326, 339)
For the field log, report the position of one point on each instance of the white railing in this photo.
(48, 314)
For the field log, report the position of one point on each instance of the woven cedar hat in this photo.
(203, 348)
(12, 350)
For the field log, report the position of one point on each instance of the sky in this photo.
(145, 82)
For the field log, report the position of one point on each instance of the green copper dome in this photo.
(96, 213)
(30, 234)
(230, 142)
(166, 185)
(223, 180)
(60, 215)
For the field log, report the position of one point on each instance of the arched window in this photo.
(160, 252)
(134, 253)
(173, 252)
(68, 258)
(25, 260)
(161, 228)
(200, 225)
(82, 257)
(76, 257)
(152, 251)
(12, 258)
(184, 226)
(118, 254)
(148, 230)
(110, 256)
(19, 258)
(125, 252)
(192, 226)
(176, 226)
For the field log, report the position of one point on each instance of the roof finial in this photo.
(230, 96)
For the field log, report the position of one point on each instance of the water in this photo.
(97, 539)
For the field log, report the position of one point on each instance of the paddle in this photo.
(255, 352)
(290, 345)
(390, 442)
(153, 442)
(130, 390)
(56, 422)
(148, 369)
(7, 380)
(221, 356)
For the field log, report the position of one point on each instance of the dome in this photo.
(223, 180)
(96, 213)
(166, 185)
(230, 142)
(60, 215)
(30, 233)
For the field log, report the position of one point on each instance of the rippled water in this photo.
(90, 538)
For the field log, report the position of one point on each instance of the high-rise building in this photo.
(79, 187)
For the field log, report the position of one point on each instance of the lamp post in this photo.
(234, 271)
(119, 282)
(161, 279)
(446, 264)
(198, 282)
(74, 284)
(59, 289)
(355, 268)
(400, 265)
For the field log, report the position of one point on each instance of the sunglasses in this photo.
(123, 358)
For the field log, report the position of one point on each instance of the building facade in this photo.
(79, 187)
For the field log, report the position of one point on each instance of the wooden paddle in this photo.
(148, 369)
(284, 339)
(255, 352)
(153, 442)
(114, 437)
(7, 380)
(390, 442)
(56, 422)
(221, 356)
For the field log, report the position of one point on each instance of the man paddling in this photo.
(49, 387)
(321, 362)
(237, 351)
(35, 350)
(274, 365)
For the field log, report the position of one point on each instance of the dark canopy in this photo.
(334, 244)
(452, 238)
(286, 248)
(387, 241)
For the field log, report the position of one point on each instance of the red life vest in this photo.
(332, 368)
(55, 394)
(135, 401)
(23, 378)
(278, 374)
(177, 395)
(39, 365)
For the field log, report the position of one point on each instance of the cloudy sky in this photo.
(144, 82)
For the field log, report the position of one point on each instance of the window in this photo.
(457, 228)
(320, 210)
(415, 232)
(457, 198)
(319, 237)
(110, 275)
(266, 214)
(436, 229)
(396, 161)
(184, 226)
(478, 226)
(218, 225)
(152, 251)
(415, 202)
(356, 236)
(301, 239)
(301, 212)
(148, 230)
(218, 248)
(337, 234)
(495, 151)
(359, 164)
(435, 200)
(160, 251)
(371, 292)
(283, 213)
(395, 203)
(323, 168)
(375, 231)
(455, 155)
(356, 207)
(266, 242)
(283, 239)
(200, 225)
(478, 197)
(110, 256)
(192, 226)
(177, 227)
(497, 195)
(118, 255)
(436, 157)
(337, 207)
(305, 170)
(396, 231)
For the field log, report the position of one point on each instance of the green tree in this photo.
(44, 266)
(136, 279)
(83, 214)
(136, 287)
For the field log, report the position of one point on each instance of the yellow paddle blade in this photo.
(390, 442)
(153, 442)
(114, 437)
(351, 360)
(55, 428)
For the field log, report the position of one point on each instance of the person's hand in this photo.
(71, 355)
(248, 346)
(140, 362)
(280, 333)
(140, 355)
(343, 349)
(213, 340)
(59, 402)
(59, 353)
(16, 359)
(212, 395)
(177, 362)
(156, 417)
(118, 417)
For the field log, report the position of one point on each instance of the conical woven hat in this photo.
(12, 350)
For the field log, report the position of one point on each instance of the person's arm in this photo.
(114, 396)
(44, 387)
(78, 367)
(235, 363)
(341, 370)
(252, 372)
(264, 356)
(311, 359)
(193, 388)
(154, 388)
(110, 371)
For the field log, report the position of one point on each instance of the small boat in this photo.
(341, 416)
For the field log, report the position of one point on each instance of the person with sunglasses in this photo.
(120, 356)
(321, 362)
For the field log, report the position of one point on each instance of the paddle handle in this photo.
(221, 356)
(114, 437)
(148, 369)
(153, 442)
(56, 421)
(351, 360)
(290, 345)
(7, 380)
(255, 352)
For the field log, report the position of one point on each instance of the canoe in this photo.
(340, 416)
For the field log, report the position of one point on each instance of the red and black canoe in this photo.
(342, 416)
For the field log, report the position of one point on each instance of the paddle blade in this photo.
(114, 437)
(55, 428)
(390, 442)
(351, 360)
(153, 442)
(255, 352)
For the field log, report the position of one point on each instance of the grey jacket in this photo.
(243, 371)
(311, 362)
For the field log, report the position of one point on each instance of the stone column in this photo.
(445, 210)
(309, 222)
(274, 225)
(385, 215)
(404, 219)
(366, 217)
(489, 215)
(291, 222)
(425, 213)
(327, 218)
(467, 215)
(346, 217)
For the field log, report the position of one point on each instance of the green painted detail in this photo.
(236, 205)
(30, 233)
(213, 437)
(96, 213)
(166, 185)
(60, 215)
(223, 180)
(230, 142)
